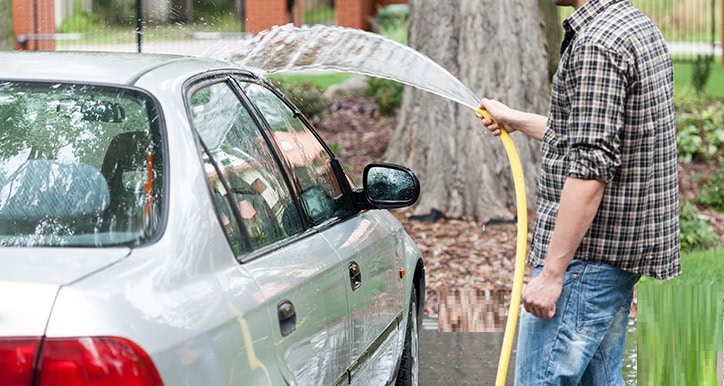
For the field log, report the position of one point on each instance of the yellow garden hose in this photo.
(520, 250)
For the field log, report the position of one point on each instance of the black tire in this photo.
(408, 373)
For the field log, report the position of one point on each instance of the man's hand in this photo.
(541, 294)
(532, 125)
(502, 114)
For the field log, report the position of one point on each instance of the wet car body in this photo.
(186, 278)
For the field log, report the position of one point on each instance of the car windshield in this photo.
(80, 165)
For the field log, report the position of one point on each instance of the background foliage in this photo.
(6, 25)
(386, 93)
(306, 96)
(700, 127)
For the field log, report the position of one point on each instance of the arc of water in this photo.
(323, 47)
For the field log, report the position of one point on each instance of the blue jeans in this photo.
(583, 343)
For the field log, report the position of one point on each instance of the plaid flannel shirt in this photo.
(612, 120)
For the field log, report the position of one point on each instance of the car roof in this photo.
(95, 67)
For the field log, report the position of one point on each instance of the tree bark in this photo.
(498, 49)
(553, 33)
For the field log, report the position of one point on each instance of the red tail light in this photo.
(95, 361)
(87, 361)
(17, 356)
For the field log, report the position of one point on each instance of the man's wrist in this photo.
(553, 271)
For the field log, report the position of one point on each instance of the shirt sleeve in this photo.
(597, 112)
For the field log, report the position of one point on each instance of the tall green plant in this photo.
(700, 75)
(679, 334)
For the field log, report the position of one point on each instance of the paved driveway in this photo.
(459, 358)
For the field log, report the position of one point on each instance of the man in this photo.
(607, 200)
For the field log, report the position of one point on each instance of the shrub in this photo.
(81, 21)
(386, 93)
(700, 128)
(688, 143)
(712, 193)
(306, 96)
(392, 22)
(695, 230)
(700, 75)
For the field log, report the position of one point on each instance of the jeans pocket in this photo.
(604, 291)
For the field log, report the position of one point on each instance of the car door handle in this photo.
(355, 275)
(287, 317)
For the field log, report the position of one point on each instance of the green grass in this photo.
(714, 87)
(698, 268)
(703, 268)
(321, 80)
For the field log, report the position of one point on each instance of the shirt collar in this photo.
(585, 13)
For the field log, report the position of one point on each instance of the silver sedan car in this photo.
(174, 220)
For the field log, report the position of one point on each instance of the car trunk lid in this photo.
(31, 277)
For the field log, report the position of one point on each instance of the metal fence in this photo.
(187, 27)
(692, 27)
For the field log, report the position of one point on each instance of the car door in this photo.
(365, 246)
(300, 276)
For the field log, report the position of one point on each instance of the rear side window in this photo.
(80, 165)
(244, 177)
(321, 194)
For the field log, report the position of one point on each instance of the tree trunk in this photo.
(497, 48)
(553, 31)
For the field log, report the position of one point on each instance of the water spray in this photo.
(319, 47)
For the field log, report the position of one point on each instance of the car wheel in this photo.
(408, 373)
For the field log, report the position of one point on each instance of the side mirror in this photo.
(388, 186)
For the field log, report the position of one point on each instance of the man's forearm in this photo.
(579, 204)
(533, 125)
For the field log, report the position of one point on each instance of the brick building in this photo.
(37, 18)
(34, 21)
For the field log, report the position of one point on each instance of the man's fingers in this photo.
(540, 311)
(551, 312)
(491, 125)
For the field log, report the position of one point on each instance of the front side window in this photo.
(311, 165)
(80, 165)
(256, 187)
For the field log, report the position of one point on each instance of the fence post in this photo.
(721, 27)
(139, 24)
